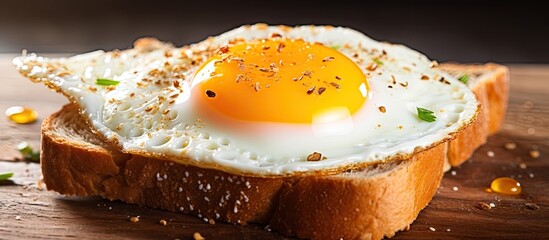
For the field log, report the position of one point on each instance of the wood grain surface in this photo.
(27, 210)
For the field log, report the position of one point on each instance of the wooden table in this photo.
(27, 210)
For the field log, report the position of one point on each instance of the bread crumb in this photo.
(532, 206)
(531, 175)
(522, 165)
(484, 206)
(510, 146)
(211, 221)
(163, 222)
(455, 188)
(531, 131)
(447, 230)
(432, 229)
(17, 217)
(492, 205)
(453, 173)
(490, 154)
(534, 153)
(134, 219)
(198, 236)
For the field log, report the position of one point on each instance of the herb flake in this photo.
(464, 78)
(5, 176)
(106, 82)
(426, 114)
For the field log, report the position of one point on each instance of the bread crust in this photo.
(492, 91)
(373, 203)
(296, 206)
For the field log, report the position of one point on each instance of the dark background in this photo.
(464, 31)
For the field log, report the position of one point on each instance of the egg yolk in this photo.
(279, 80)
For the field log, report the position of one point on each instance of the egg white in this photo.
(150, 112)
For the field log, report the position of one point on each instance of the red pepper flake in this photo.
(311, 90)
(224, 49)
(382, 109)
(338, 78)
(335, 85)
(328, 59)
(424, 77)
(321, 90)
(210, 93)
(315, 156)
(276, 35)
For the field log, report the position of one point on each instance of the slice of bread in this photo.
(373, 203)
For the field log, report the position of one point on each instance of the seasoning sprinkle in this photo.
(210, 93)
(134, 219)
(484, 206)
(534, 153)
(335, 85)
(224, 49)
(424, 77)
(382, 109)
(163, 222)
(510, 146)
(315, 156)
(321, 90)
(338, 78)
(328, 59)
(280, 47)
(532, 206)
(198, 236)
(311, 90)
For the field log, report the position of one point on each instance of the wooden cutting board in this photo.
(27, 210)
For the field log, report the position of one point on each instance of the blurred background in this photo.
(463, 31)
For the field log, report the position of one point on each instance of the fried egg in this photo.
(264, 100)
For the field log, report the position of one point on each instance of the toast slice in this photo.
(372, 203)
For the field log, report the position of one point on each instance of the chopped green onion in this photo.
(336, 47)
(426, 115)
(106, 82)
(5, 176)
(377, 61)
(464, 78)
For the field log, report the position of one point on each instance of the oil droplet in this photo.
(21, 115)
(506, 185)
